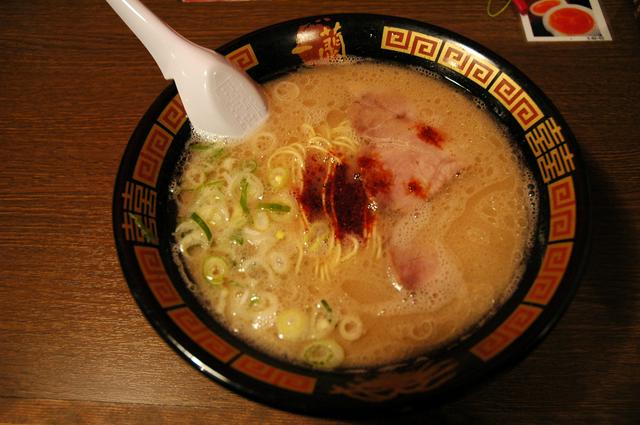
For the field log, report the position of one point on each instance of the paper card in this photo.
(565, 20)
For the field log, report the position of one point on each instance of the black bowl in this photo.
(553, 270)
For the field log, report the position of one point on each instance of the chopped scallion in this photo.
(292, 324)
(250, 165)
(323, 354)
(254, 300)
(200, 146)
(278, 177)
(244, 192)
(214, 270)
(200, 222)
(213, 183)
(219, 153)
(326, 305)
(273, 207)
(237, 237)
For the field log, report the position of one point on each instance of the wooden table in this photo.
(75, 348)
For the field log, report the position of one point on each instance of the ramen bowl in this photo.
(144, 217)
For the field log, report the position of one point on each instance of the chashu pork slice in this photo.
(416, 166)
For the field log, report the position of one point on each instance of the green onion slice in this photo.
(200, 147)
(212, 183)
(254, 300)
(244, 192)
(273, 207)
(278, 177)
(326, 305)
(146, 232)
(214, 269)
(237, 237)
(292, 324)
(250, 165)
(200, 222)
(323, 354)
(218, 153)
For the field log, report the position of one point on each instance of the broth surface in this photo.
(306, 242)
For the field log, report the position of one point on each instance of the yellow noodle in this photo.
(354, 250)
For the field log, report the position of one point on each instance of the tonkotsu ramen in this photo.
(378, 214)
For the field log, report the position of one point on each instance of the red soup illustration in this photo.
(539, 8)
(569, 20)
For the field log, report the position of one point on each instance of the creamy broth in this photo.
(311, 274)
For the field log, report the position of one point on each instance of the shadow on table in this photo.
(439, 416)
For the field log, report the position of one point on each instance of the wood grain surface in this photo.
(75, 348)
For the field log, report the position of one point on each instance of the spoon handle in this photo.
(164, 44)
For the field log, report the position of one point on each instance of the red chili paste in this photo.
(349, 203)
(429, 135)
(339, 192)
(377, 179)
(414, 187)
(310, 199)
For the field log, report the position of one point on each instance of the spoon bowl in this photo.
(220, 99)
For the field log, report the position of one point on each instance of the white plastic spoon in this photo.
(219, 98)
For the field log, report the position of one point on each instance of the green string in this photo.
(493, 15)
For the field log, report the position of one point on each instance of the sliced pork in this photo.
(412, 263)
(409, 150)
(403, 165)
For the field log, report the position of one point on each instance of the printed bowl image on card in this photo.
(565, 20)
(411, 219)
